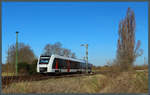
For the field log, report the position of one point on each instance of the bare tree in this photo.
(127, 50)
(66, 52)
(47, 50)
(73, 55)
(25, 54)
(56, 48)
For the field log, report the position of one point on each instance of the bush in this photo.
(32, 69)
(23, 68)
(27, 69)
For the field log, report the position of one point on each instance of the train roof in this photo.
(45, 55)
(67, 58)
(63, 57)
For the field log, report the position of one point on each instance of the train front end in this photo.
(43, 64)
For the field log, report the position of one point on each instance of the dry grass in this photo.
(142, 67)
(125, 82)
(88, 84)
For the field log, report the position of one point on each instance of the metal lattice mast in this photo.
(87, 57)
(86, 46)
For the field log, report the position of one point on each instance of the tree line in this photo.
(27, 58)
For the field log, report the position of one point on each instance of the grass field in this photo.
(123, 83)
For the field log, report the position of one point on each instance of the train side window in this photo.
(71, 64)
(79, 65)
(76, 64)
(64, 64)
(59, 63)
(54, 63)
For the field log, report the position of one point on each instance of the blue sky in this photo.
(72, 23)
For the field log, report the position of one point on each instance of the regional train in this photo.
(61, 64)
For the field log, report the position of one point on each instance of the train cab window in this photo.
(44, 61)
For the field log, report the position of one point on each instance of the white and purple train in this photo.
(61, 64)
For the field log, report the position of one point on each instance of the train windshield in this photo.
(44, 61)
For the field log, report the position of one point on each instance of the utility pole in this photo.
(144, 61)
(8, 61)
(17, 53)
(8, 56)
(86, 46)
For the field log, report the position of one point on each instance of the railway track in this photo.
(7, 80)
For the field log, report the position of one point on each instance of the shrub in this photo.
(23, 68)
(27, 69)
(32, 69)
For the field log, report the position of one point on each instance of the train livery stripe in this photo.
(56, 67)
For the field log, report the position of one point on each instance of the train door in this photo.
(68, 66)
(56, 65)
